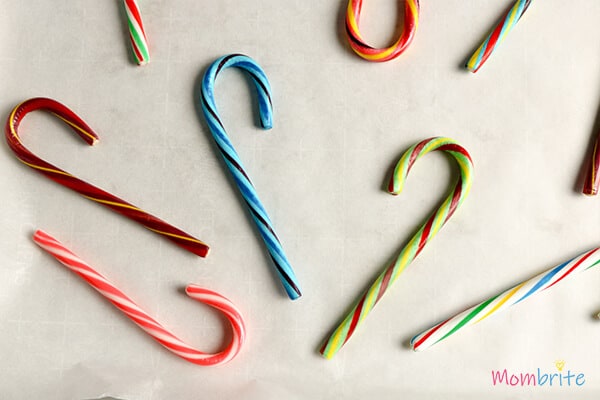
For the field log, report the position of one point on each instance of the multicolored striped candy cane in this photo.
(145, 321)
(592, 178)
(431, 227)
(360, 47)
(509, 20)
(505, 299)
(234, 164)
(137, 34)
(88, 191)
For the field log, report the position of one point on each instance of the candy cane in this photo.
(137, 34)
(509, 20)
(145, 321)
(234, 164)
(592, 178)
(360, 47)
(85, 189)
(510, 297)
(431, 227)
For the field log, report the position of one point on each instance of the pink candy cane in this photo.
(145, 321)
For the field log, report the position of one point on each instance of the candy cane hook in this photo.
(91, 192)
(360, 47)
(431, 227)
(234, 164)
(145, 321)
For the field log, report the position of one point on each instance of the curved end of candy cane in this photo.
(394, 187)
(266, 120)
(372, 54)
(258, 78)
(79, 126)
(230, 311)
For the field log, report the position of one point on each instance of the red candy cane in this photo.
(145, 321)
(91, 192)
(592, 178)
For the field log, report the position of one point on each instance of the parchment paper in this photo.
(340, 123)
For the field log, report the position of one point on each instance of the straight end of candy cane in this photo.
(294, 295)
(476, 60)
(496, 36)
(201, 250)
(141, 63)
(290, 284)
(137, 34)
(336, 340)
(417, 341)
(592, 179)
(39, 235)
(472, 68)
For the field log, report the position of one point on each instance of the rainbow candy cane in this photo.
(509, 20)
(431, 227)
(234, 164)
(145, 321)
(360, 47)
(505, 299)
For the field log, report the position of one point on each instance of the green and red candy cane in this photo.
(430, 228)
(137, 34)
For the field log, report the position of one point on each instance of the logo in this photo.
(540, 377)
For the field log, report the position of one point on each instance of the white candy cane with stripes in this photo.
(145, 321)
(505, 299)
(137, 33)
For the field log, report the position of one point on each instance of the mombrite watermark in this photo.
(540, 377)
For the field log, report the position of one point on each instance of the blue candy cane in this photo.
(233, 162)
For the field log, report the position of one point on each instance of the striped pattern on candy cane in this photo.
(137, 34)
(234, 164)
(360, 47)
(145, 321)
(431, 227)
(88, 191)
(505, 299)
(509, 20)
(592, 178)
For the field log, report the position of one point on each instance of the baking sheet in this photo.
(527, 118)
